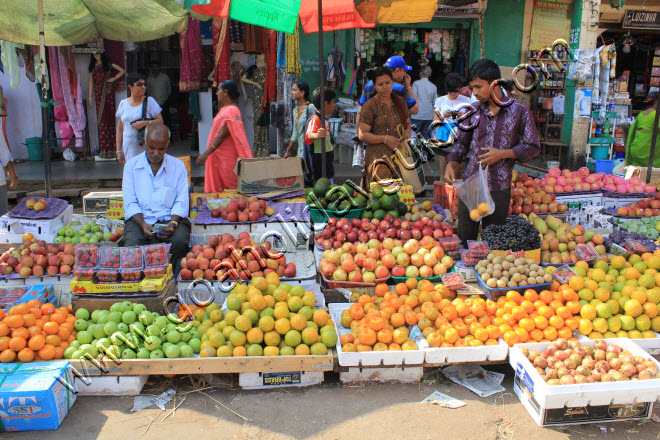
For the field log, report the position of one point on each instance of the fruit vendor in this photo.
(500, 132)
(155, 189)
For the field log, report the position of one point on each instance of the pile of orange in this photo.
(537, 317)
(33, 331)
(448, 321)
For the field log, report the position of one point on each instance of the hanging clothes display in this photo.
(293, 52)
(221, 50)
(104, 97)
(60, 112)
(72, 91)
(236, 36)
(191, 53)
(281, 50)
(254, 39)
(10, 61)
(261, 120)
(270, 86)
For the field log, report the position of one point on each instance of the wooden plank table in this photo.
(210, 365)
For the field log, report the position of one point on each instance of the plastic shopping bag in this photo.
(475, 194)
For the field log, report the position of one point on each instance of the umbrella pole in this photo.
(44, 100)
(653, 139)
(322, 86)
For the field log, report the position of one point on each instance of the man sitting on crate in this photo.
(499, 132)
(156, 198)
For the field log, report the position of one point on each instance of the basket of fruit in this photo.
(497, 275)
(327, 200)
(107, 276)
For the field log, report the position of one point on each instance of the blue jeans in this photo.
(423, 127)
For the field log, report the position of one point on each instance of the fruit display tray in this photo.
(369, 358)
(494, 293)
(580, 395)
(613, 213)
(54, 207)
(204, 217)
(616, 195)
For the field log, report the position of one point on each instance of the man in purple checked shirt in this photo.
(500, 132)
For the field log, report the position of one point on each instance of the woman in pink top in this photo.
(227, 142)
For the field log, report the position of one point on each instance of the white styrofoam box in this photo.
(265, 381)
(455, 355)
(370, 358)
(581, 200)
(618, 202)
(21, 225)
(650, 345)
(7, 237)
(401, 374)
(110, 385)
(559, 396)
(292, 234)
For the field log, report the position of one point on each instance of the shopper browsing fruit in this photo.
(156, 199)
(316, 134)
(500, 132)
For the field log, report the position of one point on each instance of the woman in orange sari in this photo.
(227, 142)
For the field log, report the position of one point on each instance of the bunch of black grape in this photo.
(516, 235)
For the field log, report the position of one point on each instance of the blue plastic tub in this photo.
(600, 151)
(604, 166)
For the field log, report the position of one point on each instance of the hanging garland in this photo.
(619, 6)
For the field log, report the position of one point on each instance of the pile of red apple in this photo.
(376, 260)
(528, 195)
(649, 207)
(225, 256)
(566, 181)
(338, 232)
(242, 210)
(36, 258)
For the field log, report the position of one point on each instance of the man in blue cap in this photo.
(402, 85)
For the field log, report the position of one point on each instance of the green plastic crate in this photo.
(322, 215)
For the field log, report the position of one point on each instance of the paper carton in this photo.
(98, 202)
(35, 396)
(266, 174)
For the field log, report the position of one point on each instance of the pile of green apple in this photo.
(130, 331)
(88, 233)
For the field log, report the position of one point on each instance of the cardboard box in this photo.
(35, 396)
(266, 174)
(36, 227)
(146, 285)
(98, 202)
(116, 209)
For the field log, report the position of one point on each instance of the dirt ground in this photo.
(328, 411)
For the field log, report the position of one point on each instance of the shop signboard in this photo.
(550, 21)
(636, 19)
(470, 10)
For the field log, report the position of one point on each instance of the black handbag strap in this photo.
(144, 107)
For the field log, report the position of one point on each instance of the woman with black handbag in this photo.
(134, 115)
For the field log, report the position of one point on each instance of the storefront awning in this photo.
(70, 22)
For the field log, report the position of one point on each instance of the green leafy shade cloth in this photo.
(70, 22)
